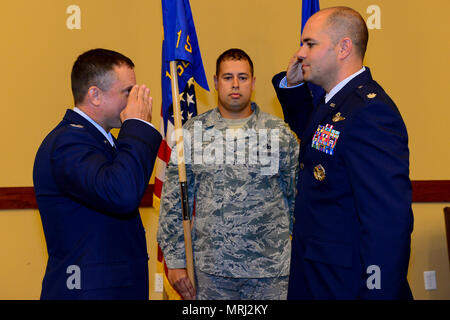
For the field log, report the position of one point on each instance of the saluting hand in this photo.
(139, 104)
(294, 74)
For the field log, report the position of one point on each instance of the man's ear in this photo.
(345, 47)
(94, 95)
(215, 81)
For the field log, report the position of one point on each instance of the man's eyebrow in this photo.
(230, 74)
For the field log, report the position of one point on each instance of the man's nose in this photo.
(301, 52)
(235, 82)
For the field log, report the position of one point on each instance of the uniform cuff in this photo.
(284, 85)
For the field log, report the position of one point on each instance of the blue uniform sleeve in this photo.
(377, 158)
(83, 170)
(296, 102)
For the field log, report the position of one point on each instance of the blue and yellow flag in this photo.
(180, 44)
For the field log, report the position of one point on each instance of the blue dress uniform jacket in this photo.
(88, 195)
(353, 217)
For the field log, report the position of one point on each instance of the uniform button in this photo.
(302, 166)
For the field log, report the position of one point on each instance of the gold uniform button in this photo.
(332, 105)
(371, 95)
(319, 172)
(302, 166)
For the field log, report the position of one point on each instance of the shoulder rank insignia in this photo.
(319, 172)
(337, 117)
(76, 125)
(325, 139)
(371, 95)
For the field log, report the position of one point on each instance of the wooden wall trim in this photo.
(24, 198)
(17, 198)
(431, 190)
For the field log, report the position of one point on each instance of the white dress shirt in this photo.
(329, 95)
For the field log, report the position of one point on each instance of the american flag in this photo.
(188, 106)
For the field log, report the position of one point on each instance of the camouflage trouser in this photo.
(210, 287)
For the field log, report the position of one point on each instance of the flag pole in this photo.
(182, 171)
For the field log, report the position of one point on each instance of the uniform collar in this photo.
(360, 79)
(77, 119)
(217, 121)
(342, 84)
(107, 135)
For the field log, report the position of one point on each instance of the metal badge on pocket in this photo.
(319, 172)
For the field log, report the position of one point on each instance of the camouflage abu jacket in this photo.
(244, 186)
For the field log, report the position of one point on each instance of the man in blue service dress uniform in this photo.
(89, 185)
(353, 217)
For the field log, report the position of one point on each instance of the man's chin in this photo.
(231, 108)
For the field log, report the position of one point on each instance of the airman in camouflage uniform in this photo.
(243, 209)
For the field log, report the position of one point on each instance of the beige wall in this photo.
(408, 56)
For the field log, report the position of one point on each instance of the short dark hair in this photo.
(233, 54)
(93, 68)
(345, 21)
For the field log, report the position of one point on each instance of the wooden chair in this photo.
(447, 228)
